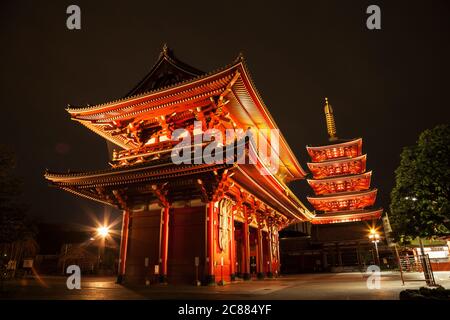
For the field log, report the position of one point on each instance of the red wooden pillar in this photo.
(123, 245)
(260, 254)
(278, 253)
(269, 241)
(210, 274)
(232, 249)
(164, 244)
(246, 240)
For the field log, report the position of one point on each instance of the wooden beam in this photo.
(161, 191)
(121, 199)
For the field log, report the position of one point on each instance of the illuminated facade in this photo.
(188, 222)
(340, 181)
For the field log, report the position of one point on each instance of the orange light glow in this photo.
(103, 231)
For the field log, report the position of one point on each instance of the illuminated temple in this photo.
(340, 181)
(209, 222)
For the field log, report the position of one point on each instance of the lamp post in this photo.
(374, 236)
(103, 233)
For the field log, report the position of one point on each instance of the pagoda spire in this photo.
(329, 118)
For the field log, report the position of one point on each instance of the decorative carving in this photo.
(121, 199)
(161, 191)
(274, 234)
(225, 207)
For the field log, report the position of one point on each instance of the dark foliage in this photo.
(14, 224)
(420, 199)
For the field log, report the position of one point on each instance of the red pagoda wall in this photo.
(186, 241)
(253, 251)
(239, 248)
(143, 242)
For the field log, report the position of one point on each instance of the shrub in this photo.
(424, 293)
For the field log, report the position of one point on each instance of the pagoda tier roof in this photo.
(340, 178)
(336, 161)
(101, 185)
(336, 168)
(343, 195)
(336, 143)
(355, 200)
(347, 216)
(233, 82)
(348, 148)
(340, 184)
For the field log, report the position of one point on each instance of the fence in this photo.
(414, 264)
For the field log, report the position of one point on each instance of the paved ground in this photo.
(341, 286)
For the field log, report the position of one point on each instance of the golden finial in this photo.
(329, 118)
(165, 48)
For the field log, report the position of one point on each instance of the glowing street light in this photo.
(103, 231)
(375, 237)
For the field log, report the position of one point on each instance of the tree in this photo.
(420, 198)
(13, 222)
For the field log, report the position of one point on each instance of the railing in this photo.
(125, 156)
(421, 263)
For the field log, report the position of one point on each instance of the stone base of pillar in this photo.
(197, 283)
(246, 276)
(210, 280)
(222, 283)
(233, 277)
(269, 275)
(260, 276)
(120, 279)
(163, 279)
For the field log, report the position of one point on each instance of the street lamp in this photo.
(103, 232)
(374, 236)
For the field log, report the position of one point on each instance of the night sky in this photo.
(385, 85)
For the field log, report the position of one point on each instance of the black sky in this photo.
(386, 85)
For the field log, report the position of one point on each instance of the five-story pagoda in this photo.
(340, 181)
